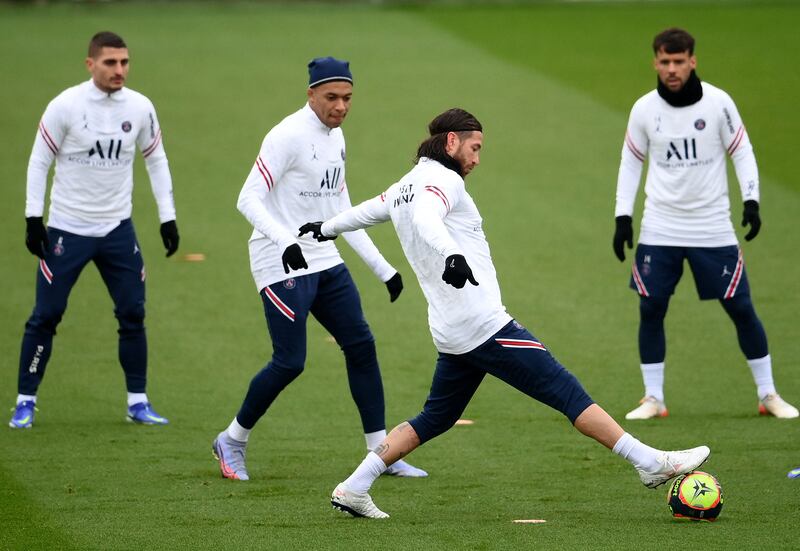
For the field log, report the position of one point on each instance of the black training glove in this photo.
(36, 236)
(394, 286)
(293, 258)
(623, 234)
(751, 216)
(315, 229)
(170, 237)
(457, 272)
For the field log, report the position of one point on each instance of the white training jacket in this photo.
(686, 188)
(298, 177)
(92, 137)
(435, 217)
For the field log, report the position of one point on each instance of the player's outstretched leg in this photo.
(655, 467)
(231, 456)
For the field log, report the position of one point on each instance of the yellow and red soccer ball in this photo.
(696, 496)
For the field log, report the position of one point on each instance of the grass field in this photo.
(552, 83)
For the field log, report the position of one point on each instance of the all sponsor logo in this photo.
(290, 283)
(683, 150)
(699, 124)
(110, 152)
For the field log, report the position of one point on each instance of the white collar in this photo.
(313, 119)
(97, 94)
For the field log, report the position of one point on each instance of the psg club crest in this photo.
(126, 126)
(58, 249)
(290, 283)
(699, 124)
(645, 269)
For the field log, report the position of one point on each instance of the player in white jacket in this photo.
(441, 232)
(300, 173)
(687, 129)
(92, 131)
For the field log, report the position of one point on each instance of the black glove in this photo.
(751, 216)
(623, 234)
(394, 286)
(457, 272)
(170, 237)
(36, 236)
(315, 229)
(293, 258)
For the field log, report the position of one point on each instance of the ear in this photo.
(89, 64)
(310, 93)
(693, 62)
(451, 143)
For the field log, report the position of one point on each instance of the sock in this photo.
(653, 376)
(136, 398)
(374, 438)
(639, 455)
(362, 478)
(25, 398)
(762, 375)
(237, 431)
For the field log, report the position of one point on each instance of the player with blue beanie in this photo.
(300, 172)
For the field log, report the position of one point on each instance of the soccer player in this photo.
(91, 131)
(440, 230)
(687, 128)
(300, 173)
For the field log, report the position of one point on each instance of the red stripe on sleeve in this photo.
(152, 147)
(48, 139)
(441, 195)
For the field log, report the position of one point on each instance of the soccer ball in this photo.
(696, 496)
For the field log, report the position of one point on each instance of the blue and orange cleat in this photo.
(23, 415)
(143, 414)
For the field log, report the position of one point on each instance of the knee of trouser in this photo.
(361, 353)
(652, 308)
(131, 317)
(429, 426)
(291, 364)
(45, 317)
(740, 308)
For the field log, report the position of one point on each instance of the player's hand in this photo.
(170, 237)
(36, 236)
(293, 258)
(394, 286)
(315, 229)
(751, 216)
(623, 234)
(457, 272)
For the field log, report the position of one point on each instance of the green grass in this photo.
(552, 84)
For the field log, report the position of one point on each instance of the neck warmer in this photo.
(691, 92)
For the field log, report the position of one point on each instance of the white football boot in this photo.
(774, 405)
(402, 469)
(672, 464)
(649, 408)
(358, 505)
